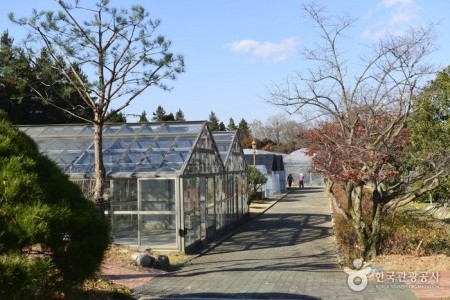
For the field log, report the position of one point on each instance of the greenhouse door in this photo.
(207, 207)
(157, 212)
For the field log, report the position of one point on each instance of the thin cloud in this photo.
(391, 16)
(266, 50)
(390, 3)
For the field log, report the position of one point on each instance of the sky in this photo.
(234, 50)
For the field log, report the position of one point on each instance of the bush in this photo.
(22, 278)
(346, 240)
(52, 236)
(401, 233)
(404, 233)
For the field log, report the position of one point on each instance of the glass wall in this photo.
(124, 206)
(158, 226)
(221, 205)
(191, 203)
(144, 212)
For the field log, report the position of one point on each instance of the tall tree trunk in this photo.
(334, 202)
(375, 234)
(354, 194)
(98, 163)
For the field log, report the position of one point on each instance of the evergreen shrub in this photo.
(51, 236)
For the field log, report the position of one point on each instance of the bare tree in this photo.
(361, 138)
(280, 129)
(116, 49)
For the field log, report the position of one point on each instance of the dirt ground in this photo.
(411, 263)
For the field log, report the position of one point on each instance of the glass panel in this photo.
(174, 157)
(72, 130)
(149, 128)
(86, 159)
(68, 157)
(184, 143)
(124, 168)
(210, 202)
(79, 169)
(203, 215)
(43, 145)
(125, 229)
(128, 129)
(111, 158)
(193, 226)
(121, 144)
(223, 147)
(180, 128)
(159, 231)
(52, 144)
(53, 130)
(88, 130)
(220, 202)
(133, 157)
(191, 202)
(111, 129)
(106, 142)
(34, 131)
(153, 159)
(124, 194)
(157, 195)
(142, 144)
(163, 144)
(78, 144)
(84, 163)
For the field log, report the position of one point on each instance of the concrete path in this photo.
(285, 253)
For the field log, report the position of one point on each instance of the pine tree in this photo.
(20, 80)
(231, 125)
(159, 114)
(222, 127)
(179, 116)
(143, 117)
(50, 234)
(244, 129)
(213, 122)
(115, 117)
(126, 52)
(169, 117)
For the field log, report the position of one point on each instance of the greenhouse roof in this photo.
(128, 149)
(298, 157)
(224, 140)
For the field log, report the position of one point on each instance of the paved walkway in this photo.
(285, 253)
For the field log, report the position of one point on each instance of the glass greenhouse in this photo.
(298, 162)
(171, 185)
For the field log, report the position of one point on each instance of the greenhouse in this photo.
(299, 162)
(272, 166)
(171, 185)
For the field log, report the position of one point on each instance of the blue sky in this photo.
(235, 49)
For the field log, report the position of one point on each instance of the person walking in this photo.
(290, 178)
(301, 178)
